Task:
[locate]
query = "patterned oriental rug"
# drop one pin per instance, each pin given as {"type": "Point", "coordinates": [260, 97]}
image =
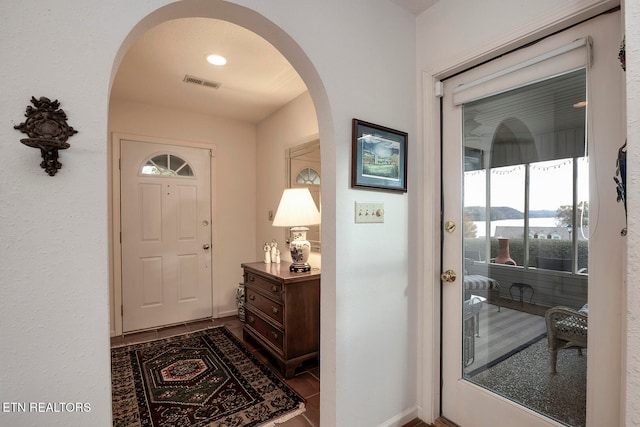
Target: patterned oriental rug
{"type": "Point", "coordinates": [205, 378]}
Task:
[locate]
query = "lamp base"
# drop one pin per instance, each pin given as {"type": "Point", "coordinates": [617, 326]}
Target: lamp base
{"type": "Point", "coordinates": [299, 268]}
{"type": "Point", "coordinates": [300, 250]}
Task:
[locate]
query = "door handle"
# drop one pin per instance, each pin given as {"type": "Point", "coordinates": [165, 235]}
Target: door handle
{"type": "Point", "coordinates": [448, 276]}
{"type": "Point", "coordinates": [206, 246]}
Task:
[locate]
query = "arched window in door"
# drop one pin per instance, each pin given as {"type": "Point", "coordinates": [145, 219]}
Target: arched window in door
{"type": "Point", "coordinates": [308, 176]}
{"type": "Point", "coordinates": [166, 164]}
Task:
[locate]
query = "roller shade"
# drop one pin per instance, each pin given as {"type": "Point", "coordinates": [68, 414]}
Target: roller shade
{"type": "Point", "coordinates": [572, 56]}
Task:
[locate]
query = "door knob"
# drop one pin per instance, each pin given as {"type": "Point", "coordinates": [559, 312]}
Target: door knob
{"type": "Point", "coordinates": [205, 246]}
{"type": "Point", "coordinates": [448, 276]}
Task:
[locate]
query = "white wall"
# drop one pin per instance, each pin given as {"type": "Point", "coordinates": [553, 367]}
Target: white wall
{"type": "Point", "coordinates": [294, 124]}
{"type": "Point", "coordinates": [468, 33]}
{"type": "Point", "coordinates": [632, 18]}
{"type": "Point", "coordinates": [54, 294]}
{"type": "Point", "coordinates": [235, 182]}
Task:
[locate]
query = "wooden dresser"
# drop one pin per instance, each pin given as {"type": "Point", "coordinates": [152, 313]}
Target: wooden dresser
{"type": "Point", "coordinates": [282, 312]}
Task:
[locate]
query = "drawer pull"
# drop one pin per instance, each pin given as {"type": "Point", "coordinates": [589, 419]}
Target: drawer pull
{"type": "Point", "coordinates": [252, 279]}
{"type": "Point", "coordinates": [274, 335]}
{"type": "Point", "coordinates": [251, 319]}
{"type": "Point", "coordinates": [252, 297]}
{"type": "Point", "coordinates": [274, 288]}
{"type": "Point", "coordinates": [274, 310]}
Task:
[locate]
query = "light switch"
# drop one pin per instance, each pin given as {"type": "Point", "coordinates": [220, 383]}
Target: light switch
{"type": "Point", "coordinates": [369, 212]}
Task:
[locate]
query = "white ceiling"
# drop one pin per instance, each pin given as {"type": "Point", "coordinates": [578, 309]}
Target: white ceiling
{"type": "Point", "coordinates": [256, 81]}
{"type": "Point", "coordinates": [415, 6]}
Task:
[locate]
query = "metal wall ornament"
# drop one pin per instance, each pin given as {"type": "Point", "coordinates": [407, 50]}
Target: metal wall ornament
{"type": "Point", "coordinates": [47, 128]}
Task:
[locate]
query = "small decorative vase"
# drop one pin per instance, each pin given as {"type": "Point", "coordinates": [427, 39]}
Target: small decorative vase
{"type": "Point", "coordinates": [503, 253]}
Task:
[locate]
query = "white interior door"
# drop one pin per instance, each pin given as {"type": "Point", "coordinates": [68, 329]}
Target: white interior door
{"type": "Point", "coordinates": [166, 234]}
{"type": "Point", "coordinates": [535, 131]}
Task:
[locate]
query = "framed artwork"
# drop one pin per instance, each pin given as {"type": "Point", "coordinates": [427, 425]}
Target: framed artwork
{"type": "Point", "coordinates": [378, 157]}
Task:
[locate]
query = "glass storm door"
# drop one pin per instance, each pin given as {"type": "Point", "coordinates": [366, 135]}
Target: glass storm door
{"type": "Point", "coordinates": [524, 207]}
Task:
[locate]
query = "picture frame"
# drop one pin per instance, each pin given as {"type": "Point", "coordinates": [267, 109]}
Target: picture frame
{"type": "Point", "coordinates": [378, 157]}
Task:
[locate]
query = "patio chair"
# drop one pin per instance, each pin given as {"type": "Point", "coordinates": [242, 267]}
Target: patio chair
{"type": "Point", "coordinates": [566, 328]}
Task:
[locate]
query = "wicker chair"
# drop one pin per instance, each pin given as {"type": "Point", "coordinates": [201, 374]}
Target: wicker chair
{"type": "Point", "coordinates": [566, 328]}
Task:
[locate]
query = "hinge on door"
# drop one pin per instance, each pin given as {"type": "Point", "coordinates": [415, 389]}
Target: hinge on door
{"type": "Point", "coordinates": [121, 237]}
{"type": "Point", "coordinates": [119, 164]}
{"type": "Point", "coordinates": [122, 310]}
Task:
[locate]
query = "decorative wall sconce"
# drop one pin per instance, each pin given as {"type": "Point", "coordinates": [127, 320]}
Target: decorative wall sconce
{"type": "Point", "coordinates": [48, 130]}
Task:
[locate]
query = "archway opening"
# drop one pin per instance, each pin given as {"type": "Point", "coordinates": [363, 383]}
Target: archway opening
{"type": "Point", "coordinates": [256, 23]}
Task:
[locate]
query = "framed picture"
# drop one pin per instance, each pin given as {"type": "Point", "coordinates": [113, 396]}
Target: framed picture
{"type": "Point", "coordinates": [378, 157]}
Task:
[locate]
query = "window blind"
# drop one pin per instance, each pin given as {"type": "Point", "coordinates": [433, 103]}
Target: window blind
{"type": "Point", "coordinates": [572, 56]}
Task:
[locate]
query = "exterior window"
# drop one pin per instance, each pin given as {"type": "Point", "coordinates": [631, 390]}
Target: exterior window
{"type": "Point", "coordinates": [167, 165]}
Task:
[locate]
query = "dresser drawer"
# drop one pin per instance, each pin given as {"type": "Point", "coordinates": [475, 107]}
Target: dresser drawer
{"type": "Point", "coordinates": [268, 332]}
{"type": "Point", "coordinates": [265, 305]}
{"type": "Point", "coordinates": [272, 288]}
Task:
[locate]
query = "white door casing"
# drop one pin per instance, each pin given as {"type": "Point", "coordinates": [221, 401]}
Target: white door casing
{"type": "Point", "coordinates": [465, 403]}
{"type": "Point", "coordinates": [166, 237]}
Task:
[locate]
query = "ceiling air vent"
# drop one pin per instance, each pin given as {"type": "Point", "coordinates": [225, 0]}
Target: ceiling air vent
{"type": "Point", "coordinates": [201, 82]}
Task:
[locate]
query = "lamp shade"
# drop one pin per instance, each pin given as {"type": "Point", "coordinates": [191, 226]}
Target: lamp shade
{"type": "Point", "coordinates": [296, 208]}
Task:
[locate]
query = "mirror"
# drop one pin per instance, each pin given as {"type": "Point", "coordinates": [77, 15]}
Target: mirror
{"type": "Point", "coordinates": [303, 170]}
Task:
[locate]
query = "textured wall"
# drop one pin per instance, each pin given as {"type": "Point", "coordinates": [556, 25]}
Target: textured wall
{"type": "Point", "coordinates": [632, 32]}
{"type": "Point", "coordinates": [55, 276]}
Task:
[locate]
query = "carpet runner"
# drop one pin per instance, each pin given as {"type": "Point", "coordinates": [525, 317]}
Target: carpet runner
{"type": "Point", "coordinates": [205, 378]}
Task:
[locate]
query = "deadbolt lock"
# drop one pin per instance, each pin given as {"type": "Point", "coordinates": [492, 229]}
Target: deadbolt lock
{"type": "Point", "coordinates": [450, 226]}
{"type": "Point", "coordinates": [448, 276]}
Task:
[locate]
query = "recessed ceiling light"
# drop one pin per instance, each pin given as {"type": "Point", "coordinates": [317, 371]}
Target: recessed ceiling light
{"type": "Point", "coordinates": [216, 59]}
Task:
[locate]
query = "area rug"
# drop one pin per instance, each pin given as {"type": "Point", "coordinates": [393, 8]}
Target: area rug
{"type": "Point", "coordinates": [205, 378]}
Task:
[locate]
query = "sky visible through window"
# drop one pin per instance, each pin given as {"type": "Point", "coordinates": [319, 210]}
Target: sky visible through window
{"type": "Point", "coordinates": [507, 185]}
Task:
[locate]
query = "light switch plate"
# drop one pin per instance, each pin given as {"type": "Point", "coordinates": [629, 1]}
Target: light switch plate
{"type": "Point", "coordinates": [369, 212]}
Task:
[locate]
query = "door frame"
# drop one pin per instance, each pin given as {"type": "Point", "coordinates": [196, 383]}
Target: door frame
{"type": "Point", "coordinates": [556, 20]}
{"type": "Point", "coordinates": [115, 267]}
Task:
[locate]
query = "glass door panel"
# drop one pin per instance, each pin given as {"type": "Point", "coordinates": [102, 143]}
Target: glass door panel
{"type": "Point", "coordinates": [525, 249]}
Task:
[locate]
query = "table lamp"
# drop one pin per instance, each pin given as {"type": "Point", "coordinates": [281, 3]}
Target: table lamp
{"type": "Point", "coordinates": [297, 210]}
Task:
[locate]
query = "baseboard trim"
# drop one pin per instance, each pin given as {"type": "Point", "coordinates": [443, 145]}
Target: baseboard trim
{"type": "Point", "coordinates": [227, 313]}
{"type": "Point", "coordinates": [402, 418]}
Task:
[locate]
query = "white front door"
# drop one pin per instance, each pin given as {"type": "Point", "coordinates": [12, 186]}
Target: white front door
{"type": "Point", "coordinates": [530, 135]}
{"type": "Point", "coordinates": [166, 234]}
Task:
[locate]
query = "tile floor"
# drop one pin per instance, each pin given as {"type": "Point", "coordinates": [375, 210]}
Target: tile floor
{"type": "Point", "coordinates": [306, 382]}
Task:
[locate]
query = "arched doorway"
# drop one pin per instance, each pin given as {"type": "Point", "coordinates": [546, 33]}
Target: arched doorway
{"type": "Point", "coordinates": [286, 45]}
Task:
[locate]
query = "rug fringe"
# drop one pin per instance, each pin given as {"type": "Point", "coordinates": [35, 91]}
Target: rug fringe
{"type": "Point", "coordinates": [286, 417]}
